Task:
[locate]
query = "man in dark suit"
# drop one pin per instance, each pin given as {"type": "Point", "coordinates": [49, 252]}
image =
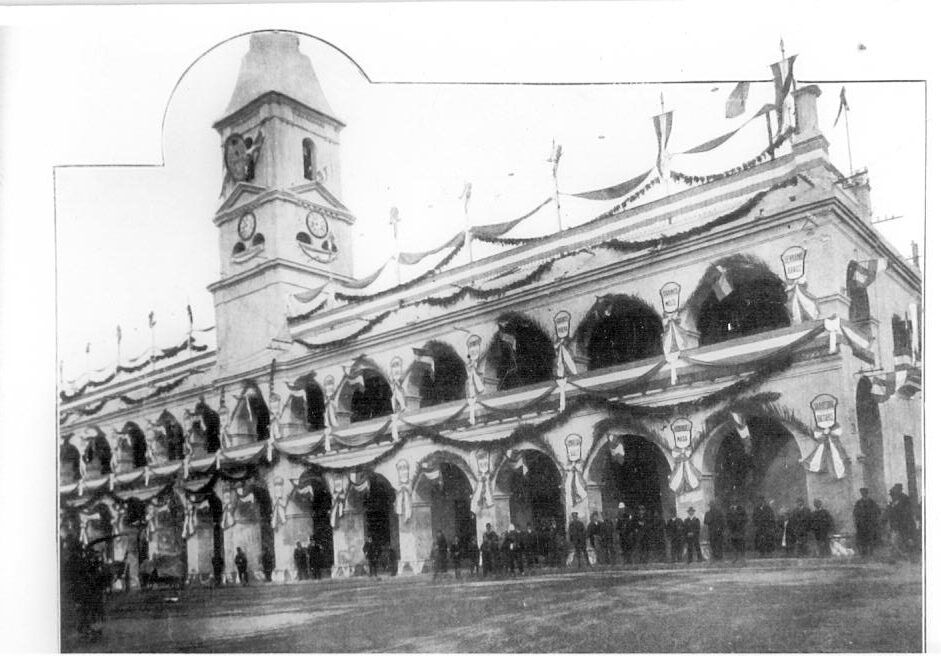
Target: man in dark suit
{"type": "Point", "coordinates": [624, 528]}
{"type": "Point", "coordinates": [715, 521]}
{"type": "Point", "coordinates": [800, 521]}
{"type": "Point", "coordinates": [300, 561]}
{"type": "Point", "coordinates": [691, 528]}
{"type": "Point", "coordinates": [866, 516]}
{"type": "Point", "coordinates": [765, 528]}
{"type": "Point", "coordinates": [578, 539]}
{"type": "Point", "coordinates": [675, 534]}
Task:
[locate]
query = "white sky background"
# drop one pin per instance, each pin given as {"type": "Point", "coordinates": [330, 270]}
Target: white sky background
{"type": "Point", "coordinates": [135, 240]}
{"type": "Point", "coordinates": [90, 86]}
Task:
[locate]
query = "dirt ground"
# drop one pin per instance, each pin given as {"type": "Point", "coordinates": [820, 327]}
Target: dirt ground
{"type": "Point", "coordinates": [765, 606]}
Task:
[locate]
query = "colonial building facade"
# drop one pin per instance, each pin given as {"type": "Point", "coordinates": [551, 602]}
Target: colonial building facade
{"type": "Point", "coordinates": [747, 334]}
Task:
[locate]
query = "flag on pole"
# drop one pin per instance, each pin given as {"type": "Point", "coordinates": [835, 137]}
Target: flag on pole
{"type": "Point", "coordinates": [663, 126]}
{"type": "Point", "coordinates": [843, 105]}
{"type": "Point", "coordinates": [554, 156]}
{"type": "Point", "coordinates": [783, 72]}
{"type": "Point", "coordinates": [151, 322]}
{"type": "Point", "coordinates": [189, 314]}
{"type": "Point", "coordinates": [87, 348]}
{"type": "Point", "coordinates": [118, 333]}
{"type": "Point", "coordinates": [722, 286]}
{"type": "Point", "coordinates": [735, 105]}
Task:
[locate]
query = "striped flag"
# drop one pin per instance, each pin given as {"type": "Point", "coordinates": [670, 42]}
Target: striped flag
{"type": "Point", "coordinates": [783, 72]}
{"type": "Point", "coordinates": [843, 105]}
{"type": "Point", "coordinates": [189, 314]}
{"type": "Point", "coordinates": [118, 333]}
{"type": "Point", "coordinates": [466, 195]}
{"type": "Point", "coordinates": [722, 286]}
{"type": "Point", "coordinates": [735, 105]}
{"type": "Point", "coordinates": [508, 339]}
{"type": "Point", "coordinates": [663, 126]}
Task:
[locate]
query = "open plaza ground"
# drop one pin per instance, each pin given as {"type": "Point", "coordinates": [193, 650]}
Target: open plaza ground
{"type": "Point", "coordinates": [764, 606]}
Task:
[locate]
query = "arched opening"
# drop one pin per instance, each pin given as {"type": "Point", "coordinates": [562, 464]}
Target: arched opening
{"type": "Point", "coordinates": [856, 288]}
{"type": "Point", "coordinates": [869, 422]}
{"type": "Point", "coordinates": [380, 523]}
{"type": "Point", "coordinates": [520, 352]}
{"type": "Point", "coordinates": [901, 337]}
{"type": "Point", "coordinates": [619, 329]}
{"type": "Point", "coordinates": [304, 238]}
{"type": "Point", "coordinates": [373, 399]}
{"type": "Point", "coordinates": [138, 442]}
{"type": "Point", "coordinates": [98, 527]}
{"type": "Point", "coordinates": [449, 495]}
{"type": "Point", "coordinates": [251, 420]}
{"type": "Point", "coordinates": [446, 382]}
{"type": "Point", "coordinates": [315, 495]}
{"type": "Point", "coordinates": [174, 435]}
{"type": "Point", "coordinates": [642, 478]}
{"type": "Point", "coordinates": [770, 468]}
{"type": "Point", "coordinates": [535, 489]}
{"type": "Point", "coordinates": [739, 296]}
{"type": "Point", "coordinates": [97, 456]}
{"type": "Point", "coordinates": [310, 159]}
{"type": "Point", "coordinates": [258, 240]}
{"type": "Point", "coordinates": [238, 248]}
{"type": "Point", "coordinates": [69, 458]}
{"type": "Point", "coordinates": [210, 426]}
{"type": "Point", "coordinates": [315, 406]}
{"type": "Point", "coordinates": [167, 548]}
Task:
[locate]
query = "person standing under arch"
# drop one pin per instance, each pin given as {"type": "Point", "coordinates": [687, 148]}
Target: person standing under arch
{"type": "Point", "coordinates": [715, 520]}
{"type": "Point", "coordinates": [765, 527]}
{"type": "Point", "coordinates": [691, 528]}
{"type": "Point", "coordinates": [821, 524]}
{"type": "Point", "coordinates": [578, 539]}
{"type": "Point", "coordinates": [866, 517]}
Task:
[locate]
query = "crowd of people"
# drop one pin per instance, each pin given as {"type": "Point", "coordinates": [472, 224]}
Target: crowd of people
{"type": "Point", "coordinates": [85, 578]}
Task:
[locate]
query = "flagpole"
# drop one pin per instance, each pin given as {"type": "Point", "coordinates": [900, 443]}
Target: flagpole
{"type": "Point", "coordinates": [846, 122]}
{"type": "Point", "coordinates": [467, 227]}
{"type": "Point", "coordinates": [554, 157]}
{"type": "Point", "coordinates": [394, 222]}
{"type": "Point", "coordinates": [119, 348]}
{"type": "Point", "coordinates": [153, 341]}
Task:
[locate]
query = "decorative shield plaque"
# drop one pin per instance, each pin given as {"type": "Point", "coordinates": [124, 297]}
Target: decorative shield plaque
{"type": "Point", "coordinates": [670, 297]}
{"type": "Point", "coordinates": [473, 347]}
{"type": "Point", "coordinates": [401, 467]}
{"type": "Point", "coordinates": [793, 261]}
{"type": "Point", "coordinates": [573, 447]}
{"type": "Point", "coordinates": [682, 432]}
{"type": "Point", "coordinates": [563, 324]}
{"type": "Point", "coordinates": [824, 409]}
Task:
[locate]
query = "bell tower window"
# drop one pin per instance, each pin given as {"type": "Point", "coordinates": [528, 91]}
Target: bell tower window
{"type": "Point", "coordinates": [310, 159]}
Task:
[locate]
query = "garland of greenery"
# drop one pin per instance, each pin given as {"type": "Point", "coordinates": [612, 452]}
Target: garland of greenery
{"type": "Point", "coordinates": [486, 294]}
{"type": "Point", "coordinates": [753, 162]}
{"type": "Point", "coordinates": [741, 211]}
{"type": "Point", "coordinates": [298, 318]}
{"type": "Point", "coordinates": [372, 323]}
{"type": "Point", "coordinates": [158, 391]}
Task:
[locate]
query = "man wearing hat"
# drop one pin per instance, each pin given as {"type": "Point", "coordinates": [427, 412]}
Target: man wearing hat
{"type": "Point", "coordinates": [901, 520]}
{"type": "Point", "coordinates": [578, 539]}
{"type": "Point", "coordinates": [691, 528]}
{"type": "Point", "coordinates": [866, 516]}
{"type": "Point", "coordinates": [675, 534]}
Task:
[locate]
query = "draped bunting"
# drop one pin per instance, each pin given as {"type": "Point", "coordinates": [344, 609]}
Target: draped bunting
{"type": "Point", "coordinates": [279, 509]}
{"type": "Point", "coordinates": [672, 333]}
{"type": "Point", "coordinates": [475, 386]}
{"type": "Point", "coordinates": [564, 365]}
{"type": "Point", "coordinates": [684, 477]}
{"type": "Point", "coordinates": [189, 519]}
{"type": "Point", "coordinates": [500, 229]}
{"type": "Point", "coordinates": [188, 344]}
{"type": "Point", "coordinates": [614, 191]}
{"type": "Point", "coordinates": [486, 294]}
{"type": "Point", "coordinates": [415, 258]}
{"type": "Point", "coordinates": [370, 324]}
{"type": "Point", "coordinates": [712, 144]}
{"type": "Point", "coordinates": [304, 316]}
{"type": "Point", "coordinates": [159, 390]}
{"type": "Point", "coordinates": [482, 496]}
{"type": "Point", "coordinates": [827, 444]}
{"type": "Point", "coordinates": [765, 154]}
{"type": "Point", "coordinates": [341, 489]}
{"type": "Point", "coordinates": [403, 496]}
{"type": "Point", "coordinates": [576, 489]}
{"type": "Point", "coordinates": [741, 427]}
{"type": "Point", "coordinates": [800, 303]}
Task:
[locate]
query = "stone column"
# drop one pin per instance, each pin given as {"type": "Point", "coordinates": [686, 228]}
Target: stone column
{"type": "Point", "coordinates": [415, 539]}
{"type": "Point", "coordinates": [348, 540]}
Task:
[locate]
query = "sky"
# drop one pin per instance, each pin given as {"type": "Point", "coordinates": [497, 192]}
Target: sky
{"type": "Point", "coordinates": [85, 249]}
{"type": "Point", "coordinates": [131, 240]}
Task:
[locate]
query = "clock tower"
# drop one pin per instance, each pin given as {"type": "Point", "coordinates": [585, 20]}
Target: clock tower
{"type": "Point", "coordinates": [282, 226]}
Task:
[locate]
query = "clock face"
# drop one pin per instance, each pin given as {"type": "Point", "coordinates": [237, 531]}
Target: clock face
{"type": "Point", "coordinates": [246, 226]}
{"type": "Point", "coordinates": [236, 157]}
{"type": "Point", "coordinates": [317, 225]}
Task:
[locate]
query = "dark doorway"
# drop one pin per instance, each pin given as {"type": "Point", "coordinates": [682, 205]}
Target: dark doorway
{"type": "Point", "coordinates": [642, 479]}
{"type": "Point", "coordinates": [747, 300]}
{"type": "Point", "coordinates": [771, 468]}
{"type": "Point", "coordinates": [373, 400]}
{"type": "Point", "coordinates": [450, 503]}
{"type": "Point", "coordinates": [536, 496]}
{"type": "Point", "coordinates": [315, 406]}
{"type": "Point", "coordinates": [380, 520]}
{"type": "Point", "coordinates": [621, 329]}
{"type": "Point", "coordinates": [521, 353]}
{"type": "Point", "coordinates": [447, 382]}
